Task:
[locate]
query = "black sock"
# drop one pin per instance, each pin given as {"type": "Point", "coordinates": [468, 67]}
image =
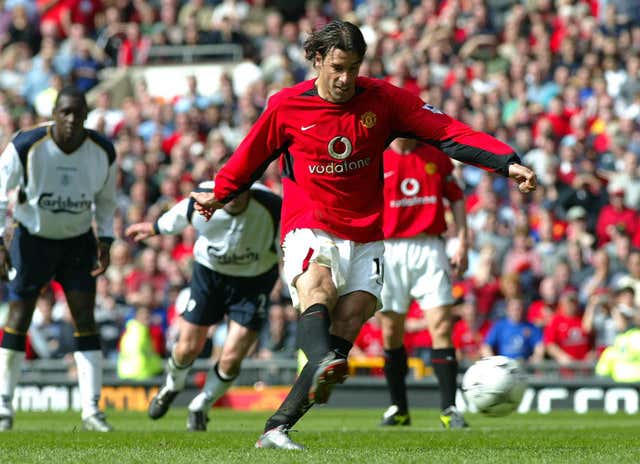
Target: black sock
{"type": "Point", "coordinates": [341, 346]}
{"type": "Point", "coordinates": [313, 332]}
{"type": "Point", "coordinates": [395, 370]}
{"type": "Point", "coordinates": [13, 340]}
{"type": "Point", "coordinates": [296, 404]}
{"type": "Point", "coordinates": [445, 366]}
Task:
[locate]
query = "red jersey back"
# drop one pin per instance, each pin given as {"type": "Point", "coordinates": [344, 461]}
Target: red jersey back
{"type": "Point", "coordinates": [331, 154]}
{"type": "Point", "coordinates": [415, 185]}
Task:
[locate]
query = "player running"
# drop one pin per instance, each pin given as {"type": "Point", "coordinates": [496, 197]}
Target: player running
{"type": "Point", "coordinates": [235, 268]}
{"type": "Point", "coordinates": [329, 134]}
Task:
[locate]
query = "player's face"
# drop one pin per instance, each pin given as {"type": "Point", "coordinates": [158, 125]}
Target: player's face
{"type": "Point", "coordinates": [69, 116]}
{"type": "Point", "coordinates": [337, 74]}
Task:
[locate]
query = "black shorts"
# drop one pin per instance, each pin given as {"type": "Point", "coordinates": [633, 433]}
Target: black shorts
{"type": "Point", "coordinates": [244, 299]}
{"type": "Point", "coordinates": [38, 260]}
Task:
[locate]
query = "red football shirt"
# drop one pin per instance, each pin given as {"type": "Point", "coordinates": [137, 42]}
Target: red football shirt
{"type": "Point", "coordinates": [568, 334]}
{"type": "Point", "coordinates": [331, 154]}
{"type": "Point", "coordinates": [415, 185]}
{"type": "Point", "coordinates": [469, 341]}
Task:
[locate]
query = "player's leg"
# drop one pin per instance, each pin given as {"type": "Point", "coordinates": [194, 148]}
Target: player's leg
{"type": "Point", "coordinates": [34, 262]}
{"type": "Point", "coordinates": [248, 300]}
{"type": "Point", "coordinates": [395, 367]}
{"type": "Point", "coordinates": [312, 269]}
{"type": "Point", "coordinates": [239, 341]}
{"type": "Point", "coordinates": [399, 260]}
{"type": "Point", "coordinates": [200, 313]}
{"type": "Point", "coordinates": [348, 316]}
{"type": "Point", "coordinates": [12, 351]}
{"type": "Point", "coordinates": [191, 341]}
{"type": "Point", "coordinates": [433, 293]}
{"type": "Point", "coordinates": [73, 271]}
{"type": "Point", "coordinates": [445, 365]}
{"type": "Point", "coordinates": [88, 357]}
{"type": "Point", "coordinates": [361, 282]}
{"type": "Point", "coordinates": [316, 293]}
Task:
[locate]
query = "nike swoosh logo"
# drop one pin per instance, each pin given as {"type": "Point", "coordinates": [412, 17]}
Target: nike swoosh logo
{"type": "Point", "coordinates": [304, 128]}
{"type": "Point", "coordinates": [388, 174]}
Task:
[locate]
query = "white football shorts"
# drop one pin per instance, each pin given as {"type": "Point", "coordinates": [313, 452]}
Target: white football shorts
{"type": "Point", "coordinates": [354, 266]}
{"type": "Point", "coordinates": [416, 268]}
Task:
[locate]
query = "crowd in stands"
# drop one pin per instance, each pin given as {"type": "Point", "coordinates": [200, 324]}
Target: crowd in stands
{"type": "Point", "coordinates": [555, 274]}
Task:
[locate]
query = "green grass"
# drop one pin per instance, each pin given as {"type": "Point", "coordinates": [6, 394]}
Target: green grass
{"type": "Point", "coordinates": [331, 435]}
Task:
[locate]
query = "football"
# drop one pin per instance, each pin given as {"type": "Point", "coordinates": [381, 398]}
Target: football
{"type": "Point", "coordinates": [494, 385]}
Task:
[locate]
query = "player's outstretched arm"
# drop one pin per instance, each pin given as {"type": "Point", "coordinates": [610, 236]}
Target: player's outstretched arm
{"type": "Point", "coordinates": [524, 177]}
{"type": "Point", "coordinates": [206, 203]}
{"type": "Point", "coordinates": [140, 231]}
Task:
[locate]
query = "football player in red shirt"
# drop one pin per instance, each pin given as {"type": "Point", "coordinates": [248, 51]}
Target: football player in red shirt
{"type": "Point", "coordinates": [329, 134]}
{"type": "Point", "coordinates": [417, 180]}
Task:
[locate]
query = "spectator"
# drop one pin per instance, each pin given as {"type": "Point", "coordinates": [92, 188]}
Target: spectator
{"type": "Point", "coordinates": [603, 319]}
{"type": "Point", "coordinates": [110, 315]}
{"type": "Point", "coordinates": [138, 359]}
{"type": "Point", "coordinates": [542, 310]}
{"type": "Point", "coordinates": [615, 214]}
{"type": "Point", "coordinates": [600, 275]}
{"type": "Point", "coordinates": [134, 49]}
{"type": "Point", "coordinates": [564, 338]}
{"type": "Point", "coordinates": [51, 336]}
{"type": "Point", "coordinates": [632, 277]}
{"type": "Point", "coordinates": [620, 361]}
{"type": "Point", "coordinates": [514, 337]}
{"type": "Point", "coordinates": [469, 331]}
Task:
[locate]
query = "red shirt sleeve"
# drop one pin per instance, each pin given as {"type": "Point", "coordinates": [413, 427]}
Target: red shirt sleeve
{"type": "Point", "coordinates": [260, 147]}
{"type": "Point", "coordinates": [412, 117]}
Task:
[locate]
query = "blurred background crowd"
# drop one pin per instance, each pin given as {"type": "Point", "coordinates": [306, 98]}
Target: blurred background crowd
{"type": "Point", "coordinates": [557, 271]}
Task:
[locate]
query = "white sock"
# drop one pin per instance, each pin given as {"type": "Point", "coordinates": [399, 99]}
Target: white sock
{"type": "Point", "coordinates": [89, 365]}
{"type": "Point", "coordinates": [176, 375]}
{"type": "Point", "coordinates": [10, 364]}
{"type": "Point", "coordinates": [216, 385]}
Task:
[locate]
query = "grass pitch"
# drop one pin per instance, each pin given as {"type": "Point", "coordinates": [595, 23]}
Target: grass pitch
{"type": "Point", "coordinates": [331, 436]}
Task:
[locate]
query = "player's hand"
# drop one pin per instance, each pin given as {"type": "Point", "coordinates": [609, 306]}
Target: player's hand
{"type": "Point", "coordinates": [524, 177]}
{"type": "Point", "coordinates": [104, 259]}
{"type": "Point", "coordinates": [140, 231]}
{"type": "Point", "coordinates": [460, 261]}
{"type": "Point", "coordinates": [5, 264]}
{"type": "Point", "coordinates": [206, 203]}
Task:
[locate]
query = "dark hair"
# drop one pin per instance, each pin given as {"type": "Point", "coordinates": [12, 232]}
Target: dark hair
{"type": "Point", "coordinates": [342, 35]}
{"type": "Point", "coordinates": [72, 92]}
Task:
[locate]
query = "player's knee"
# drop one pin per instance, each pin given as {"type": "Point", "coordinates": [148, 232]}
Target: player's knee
{"type": "Point", "coordinates": [188, 349]}
{"type": "Point", "coordinates": [230, 363]}
{"type": "Point", "coordinates": [326, 295]}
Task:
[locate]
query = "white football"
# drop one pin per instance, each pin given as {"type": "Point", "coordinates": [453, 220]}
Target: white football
{"type": "Point", "coordinates": [495, 385]}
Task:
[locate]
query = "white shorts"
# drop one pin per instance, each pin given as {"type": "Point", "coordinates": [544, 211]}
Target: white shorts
{"type": "Point", "coordinates": [418, 269]}
{"type": "Point", "coordinates": [354, 266]}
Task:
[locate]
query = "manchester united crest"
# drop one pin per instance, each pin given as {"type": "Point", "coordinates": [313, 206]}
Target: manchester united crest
{"type": "Point", "coordinates": [368, 119]}
{"type": "Point", "coordinates": [431, 168]}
